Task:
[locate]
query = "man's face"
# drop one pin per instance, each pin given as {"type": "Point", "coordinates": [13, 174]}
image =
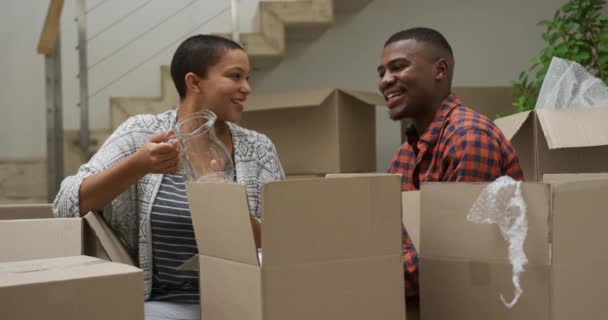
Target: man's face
{"type": "Point", "coordinates": [407, 78]}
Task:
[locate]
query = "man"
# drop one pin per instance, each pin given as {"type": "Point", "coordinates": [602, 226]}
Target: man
{"type": "Point", "coordinates": [447, 141]}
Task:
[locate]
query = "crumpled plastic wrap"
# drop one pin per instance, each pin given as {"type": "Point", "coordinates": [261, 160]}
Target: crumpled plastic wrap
{"type": "Point", "coordinates": [502, 203]}
{"type": "Point", "coordinates": [568, 85]}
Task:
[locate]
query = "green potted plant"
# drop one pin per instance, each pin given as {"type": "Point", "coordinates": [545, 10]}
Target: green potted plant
{"type": "Point", "coordinates": [578, 32]}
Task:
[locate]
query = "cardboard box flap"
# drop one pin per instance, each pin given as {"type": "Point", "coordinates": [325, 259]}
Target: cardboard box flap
{"type": "Point", "coordinates": [58, 269]}
{"type": "Point", "coordinates": [190, 264]}
{"type": "Point", "coordinates": [114, 248]}
{"type": "Point", "coordinates": [220, 217]}
{"type": "Point", "coordinates": [374, 99]}
{"type": "Point", "coordinates": [40, 238]}
{"type": "Point", "coordinates": [445, 208]}
{"type": "Point", "coordinates": [261, 102]}
{"type": "Point", "coordinates": [510, 125]}
{"type": "Point", "coordinates": [571, 128]}
{"type": "Point", "coordinates": [590, 185]}
{"type": "Point", "coordinates": [558, 178]}
{"type": "Point", "coordinates": [320, 220]}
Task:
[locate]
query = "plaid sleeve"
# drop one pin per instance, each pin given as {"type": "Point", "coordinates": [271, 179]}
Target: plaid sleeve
{"type": "Point", "coordinates": [473, 156]}
{"type": "Point", "coordinates": [410, 267]}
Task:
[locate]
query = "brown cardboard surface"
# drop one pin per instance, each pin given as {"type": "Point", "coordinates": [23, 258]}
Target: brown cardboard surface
{"type": "Point", "coordinates": [26, 211]}
{"type": "Point", "coordinates": [579, 238]}
{"type": "Point", "coordinates": [305, 176]}
{"type": "Point", "coordinates": [573, 128]}
{"type": "Point", "coordinates": [26, 239]}
{"type": "Point", "coordinates": [316, 132]}
{"type": "Point", "coordinates": [220, 217]}
{"type": "Point", "coordinates": [411, 216]}
{"type": "Point", "coordinates": [512, 124]}
{"type": "Point", "coordinates": [469, 289]}
{"type": "Point", "coordinates": [464, 266]}
{"type": "Point", "coordinates": [444, 210]}
{"type": "Point", "coordinates": [109, 242]}
{"type": "Point", "coordinates": [331, 250]}
{"type": "Point", "coordinates": [70, 288]}
{"type": "Point", "coordinates": [487, 100]}
{"type": "Point", "coordinates": [327, 290]}
{"type": "Point", "coordinates": [557, 178]}
{"type": "Point", "coordinates": [261, 102]}
{"type": "Point", "coordinates": [306, 146]}
{"type": "Point", "coordinates": [230, 290]}
{"type": "Point", "coordinates": [355, 130]}
{"type": "Point", "coordinates": [305, 216]}
{"type": "Point", "coordinates": [558, 141]}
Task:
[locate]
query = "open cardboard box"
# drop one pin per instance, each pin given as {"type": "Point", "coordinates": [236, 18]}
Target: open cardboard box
{"type": "Point", "coordinates": [319, 131]}
{"type": "Point", "coordinates": [464, 266]}
{"type": "Point", "coordinates": [331, 250]}
{"type": "Point", "coordinates": [558, 141]}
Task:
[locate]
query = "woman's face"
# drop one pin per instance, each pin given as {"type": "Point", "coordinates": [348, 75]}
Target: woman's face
{"type": "Point", "coordinates": [226, 86]}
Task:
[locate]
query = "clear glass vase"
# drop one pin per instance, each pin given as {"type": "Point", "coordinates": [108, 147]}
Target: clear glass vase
{"type": "Point", "coordinates": [203, 156]}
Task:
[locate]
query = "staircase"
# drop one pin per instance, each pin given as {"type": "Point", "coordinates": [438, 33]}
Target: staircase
{"type": "Point", "coordinates": [280, 21]}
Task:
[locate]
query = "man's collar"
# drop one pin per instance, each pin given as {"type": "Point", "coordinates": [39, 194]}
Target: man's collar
{"type": "Point", "coordinates": [431, 134]}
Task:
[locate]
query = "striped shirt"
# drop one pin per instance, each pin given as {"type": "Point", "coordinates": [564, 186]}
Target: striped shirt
{"type": "Point", "coordinates": [173, 243]}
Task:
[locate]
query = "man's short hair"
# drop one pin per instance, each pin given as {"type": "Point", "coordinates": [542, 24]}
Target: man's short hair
{"type": "Point", "coordinates": [426, 35]}
{"type": "Point", "coordinates": [196, 54]}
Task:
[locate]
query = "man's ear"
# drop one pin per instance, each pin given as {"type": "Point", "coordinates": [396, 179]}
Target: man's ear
{"type": "Point", "coordinates": [442, 69]}
{"type": "Point", "coordinates": [192, 82]}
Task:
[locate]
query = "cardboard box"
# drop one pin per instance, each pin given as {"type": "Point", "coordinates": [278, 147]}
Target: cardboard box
{"type": "Point", "coordinates": [316, 132]}
{"type": "Point", "coordinates": [558, 141]}
{"type": "Point", "coordinates": [464, 266]}
{"type": "Point", "coordinates": [26, 211]}
{"type": "Point", "coordinates": [70, 288]}
{"type": "Point", "coordinates": [411, 216]}
{"type": "Point", "coordinates": [26, 239]}
{"type": "Point", "coordinates": [331, 250]}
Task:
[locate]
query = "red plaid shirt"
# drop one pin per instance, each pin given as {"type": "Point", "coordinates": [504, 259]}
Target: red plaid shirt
{"type": "Point", "coordinates": [459, 145]}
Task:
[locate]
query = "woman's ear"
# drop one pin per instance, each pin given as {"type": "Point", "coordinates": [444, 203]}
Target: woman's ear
{"type": "Point", "coordinates": [442, 69]}
{"type": "Point", "coordinates": [192, 82]}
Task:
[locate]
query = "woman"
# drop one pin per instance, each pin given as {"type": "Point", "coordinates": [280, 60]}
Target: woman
{"type": "Point", "coordinates": [134, 177]}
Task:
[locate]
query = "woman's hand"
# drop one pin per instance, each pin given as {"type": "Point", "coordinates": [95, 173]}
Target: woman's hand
{"type": "Point", "coordinates": [158, 155]}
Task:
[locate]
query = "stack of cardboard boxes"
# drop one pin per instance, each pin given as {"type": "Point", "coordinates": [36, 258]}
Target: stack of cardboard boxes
{"type": "Point", "coordinates": [45, 274]}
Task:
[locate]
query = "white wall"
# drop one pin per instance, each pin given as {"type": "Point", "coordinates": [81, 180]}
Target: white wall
{"type": "Point", "coordinates": [493, 41]}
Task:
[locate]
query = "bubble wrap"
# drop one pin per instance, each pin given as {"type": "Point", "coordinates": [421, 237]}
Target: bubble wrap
{"type": "Point", "coordinates": [502, 203]}
{"type": "Point", "coordinates": [568, 85]}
